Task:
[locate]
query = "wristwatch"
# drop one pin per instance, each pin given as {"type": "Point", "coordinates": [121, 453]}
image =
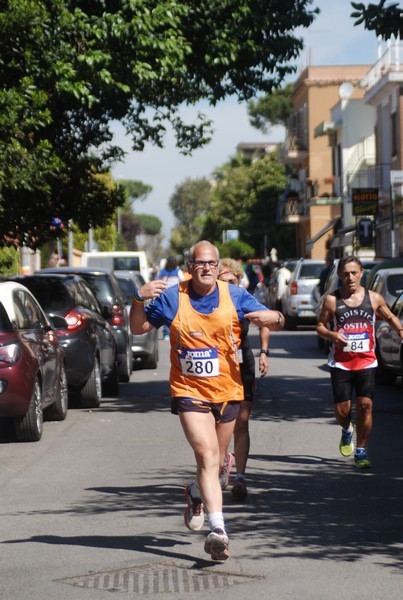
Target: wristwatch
{"type": "Point", "coordinates": [264, 352]}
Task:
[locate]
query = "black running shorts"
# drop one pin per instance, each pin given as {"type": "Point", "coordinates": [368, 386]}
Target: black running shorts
{"type": "Point", "coordinates": [345, 382]}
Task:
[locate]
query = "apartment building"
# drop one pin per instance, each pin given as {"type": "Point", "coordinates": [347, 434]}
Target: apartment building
{"type": "Point", "coordinates": [313, 198]}
{"type": "Point", "coordinates": [383, 90]}
{"type": "Point", "coordinates": [351, 136]}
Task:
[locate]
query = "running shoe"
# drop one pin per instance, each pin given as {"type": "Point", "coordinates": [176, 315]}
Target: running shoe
{"type": "Point", "coordinates": [216, 544]}
{"type": "Point", "coordinates": [361, 459]}
{"type": "Point", "coordinates": [346, 445]}
{"type": "Point", "coordinates": [226, 470]}
{"type": "Point", "coordinates": [194, 513]}
{"type": "Point", "coordinates": [239, 490]}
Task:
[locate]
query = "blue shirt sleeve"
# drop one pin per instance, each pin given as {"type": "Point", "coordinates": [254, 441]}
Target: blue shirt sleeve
{"type": "Point", "coordinates": [162, 310]}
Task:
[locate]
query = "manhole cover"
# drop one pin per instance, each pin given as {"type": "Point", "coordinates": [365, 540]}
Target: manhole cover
{"type": "Point", "coordinates": [156, 578]}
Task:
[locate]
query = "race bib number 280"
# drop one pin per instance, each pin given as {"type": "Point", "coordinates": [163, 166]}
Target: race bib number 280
{"type": "Point", "coordinates": [200, 362]}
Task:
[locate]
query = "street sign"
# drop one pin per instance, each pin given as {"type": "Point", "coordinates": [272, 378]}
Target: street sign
{"type": "Point", "coordinates": [365, 201]}
{"type": "Point", "coordinates": [230, 234]}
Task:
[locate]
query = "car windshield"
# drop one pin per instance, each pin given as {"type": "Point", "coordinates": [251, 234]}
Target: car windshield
{"type": "Point", "coordinates": [310, 271]}
{"type": "Point", "coordinates": [395, 284]}
{"type": "Point", "coordinates": [50, 293]}
{"type": "Point", "coordinates": [100, 286]}
{"type": "Point", "coordinates": [126, 263]}
{"type": "Point", "coordinates": [5, 324]}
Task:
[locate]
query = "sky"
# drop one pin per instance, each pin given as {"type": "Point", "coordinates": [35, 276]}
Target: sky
{"type": "Point", "coordinates": [332, 39]}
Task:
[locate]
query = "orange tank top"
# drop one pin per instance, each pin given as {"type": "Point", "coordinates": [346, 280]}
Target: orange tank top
{"type": "Point", "coordinates": [204, 350]}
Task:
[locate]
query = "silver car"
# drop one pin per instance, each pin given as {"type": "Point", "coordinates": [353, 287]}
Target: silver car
{"type": "Point", "coordinates": [299, 302]}
{"type": "Point", "coordinates": [389, 347]}
{"type": "Point", "coordinates": [144, 346]}
{"type": "Point", "coordinates": [388, 283]}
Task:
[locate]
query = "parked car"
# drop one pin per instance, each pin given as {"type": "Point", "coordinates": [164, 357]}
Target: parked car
{"type": "Point", "coordinates": [298, 302]}
{"type": "Point", "coordinates": [332, 283]}
{"type": "Point", "coordinates": [388, 283]}
{"type": "Point", "coordinates": [278, 282]}
{"type": "Point", "coordinates": [88, 340]}
{"type": "Point", "coordinates": [385, 263]}
{"type": "Point", "coordinates": [389, 347]}
{"type": "Point", "coordinates": [32, 373]}
{"type": "Point", "coordinates": [106, 290]}
{"type": "Point", "coordinates": [144, 346]}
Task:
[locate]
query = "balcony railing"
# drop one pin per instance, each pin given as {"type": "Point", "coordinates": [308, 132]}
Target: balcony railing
{"type": "Point", "coordinates": [292, 210]}
{"type": "Point", "coordinates": [390, 61]}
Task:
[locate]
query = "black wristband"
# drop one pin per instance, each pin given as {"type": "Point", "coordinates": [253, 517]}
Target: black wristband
{"type": "Point", "coordinates": [264, 352]}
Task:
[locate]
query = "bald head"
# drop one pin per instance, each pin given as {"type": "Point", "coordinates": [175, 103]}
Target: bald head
{"type": "Point", "coordinates": [203, 244]}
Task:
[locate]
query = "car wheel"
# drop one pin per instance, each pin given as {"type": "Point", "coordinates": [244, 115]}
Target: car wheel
{"type": "Point", "coordinates": [111, 385]}
{"type": "Point", "coordinates": [126, 366]}
{"type": "Point", "coordinates": [91, 394]}
{"type": "Point", "coordinates": [29, 427]}
{"type": "Point", "coordinates": [58, 410]}
{"type": "Point", "coordinates": [383, 376]}
{"type": "Point", "coordinates": [151, 362]}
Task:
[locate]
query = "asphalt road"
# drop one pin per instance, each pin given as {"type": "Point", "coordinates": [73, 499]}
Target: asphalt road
{"type": "Point", "coordinates": [97, 505]}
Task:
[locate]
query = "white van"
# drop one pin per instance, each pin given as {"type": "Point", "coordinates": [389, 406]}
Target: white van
{"type": "Point", "coordinates": [118, 261]}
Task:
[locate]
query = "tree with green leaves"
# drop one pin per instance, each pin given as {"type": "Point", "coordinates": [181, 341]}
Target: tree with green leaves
{"type": "Point", "coordinates": [69, 69]}
{"type": "Point", "coordinates": [384, 18]}
{"type": "Point", "coordinates": [189, 204]}
{"type": "Point", "coordinates": [135, 190]}
{"type": "Point", "coordinates": [131, 223]}
{"type": "Point", "coordinates": [9, 261]}
{"type": "Point", "coordinates": [245, 198]}
{"type": "Point", "coordinates": [271, 109]}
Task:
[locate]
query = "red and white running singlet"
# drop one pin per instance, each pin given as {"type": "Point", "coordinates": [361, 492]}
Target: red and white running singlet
{"type": "Point", "coordinates": [358, 325]}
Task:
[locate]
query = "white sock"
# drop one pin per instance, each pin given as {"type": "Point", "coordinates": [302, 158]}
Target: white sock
{"type": "Point", "coordinates": [350, 428]}
{"type": "Point", "coordinates": [240, 476]}
{"type": "Point", "coordinates": [215, 520]}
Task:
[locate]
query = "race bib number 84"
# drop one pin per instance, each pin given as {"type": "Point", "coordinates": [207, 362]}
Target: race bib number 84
{"type": "Point", "coordinates": [200, 362]}
{"type": "Point", "coordinates": [357, 342]}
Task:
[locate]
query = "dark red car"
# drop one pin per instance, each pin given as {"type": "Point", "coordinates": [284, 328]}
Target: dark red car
{"type": "Point", "coordinates": [32, 374]}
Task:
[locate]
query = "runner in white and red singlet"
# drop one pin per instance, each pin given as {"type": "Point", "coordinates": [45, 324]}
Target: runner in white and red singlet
{"type": "Point", "coordinates": [352, 310]}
